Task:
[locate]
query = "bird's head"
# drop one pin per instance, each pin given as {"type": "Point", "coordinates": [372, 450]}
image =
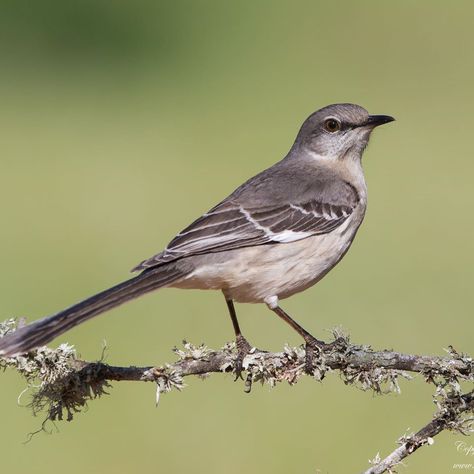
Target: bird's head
{"type": "Point", "coordinates": [339, 131]}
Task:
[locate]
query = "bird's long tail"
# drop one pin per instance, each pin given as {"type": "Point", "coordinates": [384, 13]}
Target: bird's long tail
{"type": "Point", "coordinates": [44, 330]}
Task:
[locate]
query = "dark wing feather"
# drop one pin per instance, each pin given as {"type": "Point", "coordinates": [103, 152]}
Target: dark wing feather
{"type": "Point", "coordinates": [230, 225]}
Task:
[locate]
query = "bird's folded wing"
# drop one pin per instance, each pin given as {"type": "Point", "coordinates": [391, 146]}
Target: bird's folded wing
{"type": "Point", "coordinates": [230, 226]}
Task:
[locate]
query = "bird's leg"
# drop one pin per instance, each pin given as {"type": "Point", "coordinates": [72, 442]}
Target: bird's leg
{"type": "Point", "coordinates": [243, 347]}
{"type": "Point", "coordinates": [312, 344]}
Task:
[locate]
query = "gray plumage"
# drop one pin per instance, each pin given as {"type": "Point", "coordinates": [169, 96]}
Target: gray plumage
{"type": "Point", "coordinates": [282, 198]}
{"type": "Point", "coordinates": [275, 235]}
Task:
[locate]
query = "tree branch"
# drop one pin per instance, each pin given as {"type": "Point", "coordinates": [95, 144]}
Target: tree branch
{"type": "Point", "coordinates": [352, 360]}
{"type": "Point", "coordinates": [448, 418]}
{"type": "Point", "coordinates": [68, 383]}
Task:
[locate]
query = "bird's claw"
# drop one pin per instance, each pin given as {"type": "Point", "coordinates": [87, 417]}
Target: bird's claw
{"type": "Point", "coordinates": [314, 345]}
{"type": "Point", "coordinates": [243, 348]}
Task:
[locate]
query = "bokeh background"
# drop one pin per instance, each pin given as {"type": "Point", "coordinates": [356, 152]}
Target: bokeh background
{"type": "Point", "coordinates": [122, 121]}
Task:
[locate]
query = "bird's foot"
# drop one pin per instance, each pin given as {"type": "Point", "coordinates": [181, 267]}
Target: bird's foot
{"type": "Point", "coordinates": [243, 349]}
{"type": "Point", "coordinates": [315, 346]}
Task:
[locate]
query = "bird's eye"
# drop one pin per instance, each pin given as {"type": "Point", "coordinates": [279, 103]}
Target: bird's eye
{"type": "Point", "coordinates": [332, 125]}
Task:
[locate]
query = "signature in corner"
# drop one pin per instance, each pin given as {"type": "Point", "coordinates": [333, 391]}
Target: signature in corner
{"type": "Point", "coordinates": [464, 448]}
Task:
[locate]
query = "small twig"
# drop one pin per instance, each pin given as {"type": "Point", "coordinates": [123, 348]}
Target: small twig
{"type": "Point", "coordinates": [447, 419]}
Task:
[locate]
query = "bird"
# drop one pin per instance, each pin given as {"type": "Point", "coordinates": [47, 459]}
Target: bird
{"type": "Point", "coordinates": [276, 235]}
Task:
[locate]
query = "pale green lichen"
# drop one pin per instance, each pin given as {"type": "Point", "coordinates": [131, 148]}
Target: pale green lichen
{"type": "Point", "coordinates": [377, 379]}
{"type": "Point", "coordinates": [448, 396]}
{"type": "Point", "coordinates": [190, 351]}
{"type": "Point", "coordinates": [56, 386]}
{"type": "Point", "coordinates": [451, 406]}
{"type": "Point", "coordinates": [61, 385]}
{"type": "Point", "coordinates": [166, 378]}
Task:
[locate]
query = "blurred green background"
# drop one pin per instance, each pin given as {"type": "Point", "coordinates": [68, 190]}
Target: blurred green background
{"type": "Point", "coordinates": [122, 121]}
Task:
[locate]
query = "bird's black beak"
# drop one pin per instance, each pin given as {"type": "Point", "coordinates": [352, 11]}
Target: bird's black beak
{"type": "Point", "coordinates": [376, 120]}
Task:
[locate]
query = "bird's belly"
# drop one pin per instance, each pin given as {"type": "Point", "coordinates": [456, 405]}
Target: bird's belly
{"type": "Point", "coordinates": [249, 275]}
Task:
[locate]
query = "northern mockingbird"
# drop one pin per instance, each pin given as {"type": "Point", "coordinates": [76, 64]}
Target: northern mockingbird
{"type": "Point", "coordinates": [275, 235]}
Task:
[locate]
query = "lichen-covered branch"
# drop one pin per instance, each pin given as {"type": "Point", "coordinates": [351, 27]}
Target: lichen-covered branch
{"type": "Point", "coordinates": [67, 383]}
{"type": "Point", "coordinates": [450, 416]}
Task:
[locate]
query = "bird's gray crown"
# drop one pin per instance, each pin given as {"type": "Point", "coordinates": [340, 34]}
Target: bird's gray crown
{"type": "Point", "coordinates": [338, 131]}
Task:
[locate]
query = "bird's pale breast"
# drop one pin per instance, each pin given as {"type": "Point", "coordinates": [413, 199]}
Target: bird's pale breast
{"type": "Point", "coordinates": [249, 275]}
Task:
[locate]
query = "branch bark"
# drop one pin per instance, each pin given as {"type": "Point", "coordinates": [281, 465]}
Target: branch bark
{"type": "Point", "coordinates": [351, 359]}
{"type": "Point", "coordinates": [68, 383]}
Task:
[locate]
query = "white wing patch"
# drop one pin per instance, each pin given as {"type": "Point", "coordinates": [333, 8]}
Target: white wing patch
{"type": "Point", "coordinates": [232, 226]}
{"type": "Point", "coordinates": [282, 237]}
